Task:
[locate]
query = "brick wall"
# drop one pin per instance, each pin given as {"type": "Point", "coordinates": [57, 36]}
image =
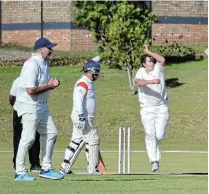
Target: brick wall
{"type": "Point", "coordinates": [25, 38]}
{"type": "Point", "coordinates": [181, 33]}
{"type": "Point", "coordinates": [180, 8]}
{"type": "Point", "coordinates": [56, 11]}
{"type": "Point", "coordinates": [187, 34]}
{"type": "Point", "coordinates": [21, 12]}
{"type": "Point", "coordinates": [82, 40]}
{"type": "Point", "coordinates": [53, 12]}
{"type": "Point", "coordinates": [71, 39]}
{"type": "Point", "coordinates": [61, 37]}
{"type": "Point", "coordinates": [68, 38]}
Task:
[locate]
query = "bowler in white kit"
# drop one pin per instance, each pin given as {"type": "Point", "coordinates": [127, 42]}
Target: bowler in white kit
{"type": "Point", "coordinates": [150, 79]}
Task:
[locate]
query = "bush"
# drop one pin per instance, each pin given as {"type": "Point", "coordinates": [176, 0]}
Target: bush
{"type": "Point", "coordinates": [67, 61]}
{"type": "Point", "coordinates": [7, 63]}
{"type": "Point", "coordinates": [177, 52]}
{"type": "Point", "coordinates": [52, 62]}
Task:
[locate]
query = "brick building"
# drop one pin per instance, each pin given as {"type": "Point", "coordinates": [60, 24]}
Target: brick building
{"type": "Point", "coordinates": [24, 21]}
{"type": "Point", "coordinates": [185, 22]}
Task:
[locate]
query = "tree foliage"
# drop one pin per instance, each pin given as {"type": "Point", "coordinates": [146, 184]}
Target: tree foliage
{"type": "Point", "coordinates": [119, 28]}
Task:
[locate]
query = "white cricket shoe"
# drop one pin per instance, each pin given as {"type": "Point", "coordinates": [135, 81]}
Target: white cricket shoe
{"type": "Point", "coordinates": [155, 166]}
{"type": "Point", "coordinates": [95, 172]}
{"type": "Point", "coordinates": [63, 169]}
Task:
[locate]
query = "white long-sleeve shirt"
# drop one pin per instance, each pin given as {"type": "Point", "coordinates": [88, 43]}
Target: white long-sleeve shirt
{"type": "Point", "coordinates": [84, 99]}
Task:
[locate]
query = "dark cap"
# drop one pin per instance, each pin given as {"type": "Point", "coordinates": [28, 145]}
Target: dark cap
{"type": "Point", "coordinates": [43, 42]}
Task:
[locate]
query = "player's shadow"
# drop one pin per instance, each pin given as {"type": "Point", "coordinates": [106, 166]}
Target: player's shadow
{"type": "Point", "coordinates": [173, 83]}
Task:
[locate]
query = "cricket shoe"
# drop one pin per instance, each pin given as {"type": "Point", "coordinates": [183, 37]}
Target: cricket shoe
{"type": "Point", "coordinates": [155, 166]}
{"type": "Point", "coordinates": [35, 168]}
{"type": "Point", "coordinates": [51, 174]}
{"type": "Point", "coordinates": [24, 177]}
{"type": "Point", "coordinates": [63, 171]}
{"type": "Point", "coordinates": [95, 172]}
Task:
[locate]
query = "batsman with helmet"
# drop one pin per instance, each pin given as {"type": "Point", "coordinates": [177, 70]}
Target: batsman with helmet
{"type": "Point", "coordinates": [84, 108]}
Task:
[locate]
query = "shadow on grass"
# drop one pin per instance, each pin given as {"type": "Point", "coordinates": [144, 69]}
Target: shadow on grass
{"type": "Point", "coordinates": [192, 173]}
{"type": "Point", "coordinates": [168, 174]}
{"type": "Point", "coordinates": [173, 60]}
{"type": "Point", "coordinates": [113, 179]}
{"type": "Point", "coordinates": [173, 83]}
{"type": "Point", "coordinates": [118, 178]}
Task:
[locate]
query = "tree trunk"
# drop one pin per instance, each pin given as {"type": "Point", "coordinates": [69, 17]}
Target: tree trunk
{"type": "Point", "coordinates": [131, 76]}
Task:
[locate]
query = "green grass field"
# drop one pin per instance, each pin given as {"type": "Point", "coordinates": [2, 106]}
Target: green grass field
{"type": "Point", "coordinates": [118, 107]}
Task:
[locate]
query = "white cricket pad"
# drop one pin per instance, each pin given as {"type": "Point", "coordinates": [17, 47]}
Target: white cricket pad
{"type": "Point", "coordinates": [67, 166]}
{"type": "Point", "coordinates": [94, 141]}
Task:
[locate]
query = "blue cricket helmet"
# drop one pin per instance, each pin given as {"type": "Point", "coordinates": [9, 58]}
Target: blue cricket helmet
{"type": "Point", "coordinates": [92, 66]}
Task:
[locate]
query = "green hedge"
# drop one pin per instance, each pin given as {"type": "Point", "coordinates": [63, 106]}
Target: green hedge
{"type": "Point", "coordinates": [174, 53]}
{"type": "Point", "coordinates": [52, 62]}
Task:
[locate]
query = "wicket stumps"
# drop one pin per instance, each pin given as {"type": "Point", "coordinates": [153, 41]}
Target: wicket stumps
{"type": "Point", "coordinates": [124, 166]}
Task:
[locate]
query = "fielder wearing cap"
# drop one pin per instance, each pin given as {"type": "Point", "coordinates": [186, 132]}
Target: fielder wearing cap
{"type": "Point", "coordinates": [150, 79]}
{"type": "Point", "coordinates": [31, 104]}
{"type": "Point", "coordinates": [84, 108]}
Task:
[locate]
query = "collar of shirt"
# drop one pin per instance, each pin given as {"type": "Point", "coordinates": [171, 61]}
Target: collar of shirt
{"type": "Point", "coordinates": [38, 56]}
{"type": "Point", "coordinates": [149, 72]}
{"type": "Point", "coordinates": [87, 79]}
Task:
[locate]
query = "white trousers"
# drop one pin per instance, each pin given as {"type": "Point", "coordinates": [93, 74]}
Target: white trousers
{"type": "Point", "coordinates": [44, 124]}
{"type": "Point", "coordinates": [155, 122]}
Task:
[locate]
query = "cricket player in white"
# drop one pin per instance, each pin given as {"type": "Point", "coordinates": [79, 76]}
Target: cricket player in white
{"type": "Point", "coordinates": [150, 80]}
{"type": "Point", "coordinates": [34, 151]}
{"type": "Point", "coordinates": [84, 107]}
{"type": "Point", "coordinates": [31, 104]}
